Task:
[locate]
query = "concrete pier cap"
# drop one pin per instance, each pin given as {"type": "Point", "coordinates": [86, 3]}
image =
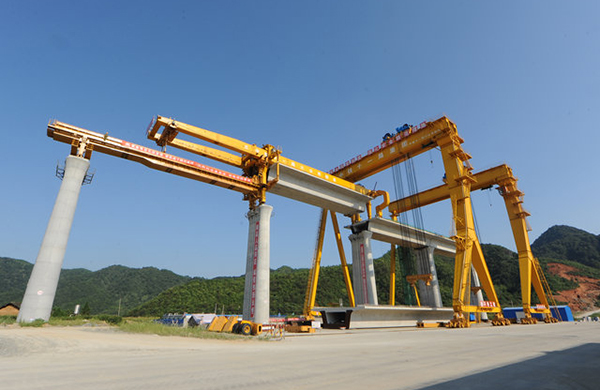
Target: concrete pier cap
{"type": "Point", "coordinates": [41, 288]}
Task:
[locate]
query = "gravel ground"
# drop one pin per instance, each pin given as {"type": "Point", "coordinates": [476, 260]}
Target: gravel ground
{"type": "Point", "coordinates": [546, 356]}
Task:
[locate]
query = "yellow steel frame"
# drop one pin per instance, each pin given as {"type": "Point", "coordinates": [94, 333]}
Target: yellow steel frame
{"type": "Point", "coordinates": [502, 176]}
{"type": "Point", "coordinates": [255, 161]}
{"type": "Point", "coordinates": [78, 137]}
{"type": "Point", "coordinates": [441, 133]}
{"type": "Point", "coordinates": [313, 278]}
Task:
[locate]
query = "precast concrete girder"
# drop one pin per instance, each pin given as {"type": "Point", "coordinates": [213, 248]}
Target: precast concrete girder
{"type": "Point", "coordinates": [404, 235]}
{"type": "Point", "coordinates": [309, 188]}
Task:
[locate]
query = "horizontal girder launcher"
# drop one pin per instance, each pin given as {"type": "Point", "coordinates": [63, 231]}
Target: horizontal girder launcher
{"type": "Point", "coordinates": [80, 138]}
{"type": "Point", "coordinates": [273, 172]}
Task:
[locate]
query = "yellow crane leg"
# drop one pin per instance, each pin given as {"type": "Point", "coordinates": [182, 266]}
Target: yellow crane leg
{"type": "Point", "coordinates": [414, 285]}
{"type": "Point", "coordinates": [313, 279]}
{"type": "Point", "coordinates": [345, 271]}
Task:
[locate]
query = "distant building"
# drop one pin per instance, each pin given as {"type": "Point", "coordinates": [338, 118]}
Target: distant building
{"type": "Point", "coordinates": [10, 309]}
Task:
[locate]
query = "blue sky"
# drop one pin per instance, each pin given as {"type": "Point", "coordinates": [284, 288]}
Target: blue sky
{"type": "Point", "coordinates": [324, 80]}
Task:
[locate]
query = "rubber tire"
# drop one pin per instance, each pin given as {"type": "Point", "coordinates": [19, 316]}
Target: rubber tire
{"type": "Point", "coordinates": [246, 329]}
{"type": "Point", "coordinates": [236, 328]}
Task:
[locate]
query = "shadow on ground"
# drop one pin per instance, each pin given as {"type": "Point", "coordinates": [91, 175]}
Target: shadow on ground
{"type": "Point", "coordinates": [574, 368]}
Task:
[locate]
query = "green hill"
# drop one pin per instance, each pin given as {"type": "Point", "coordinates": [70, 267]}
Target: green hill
{"type": "Point", "coordinates": [101, 289]}
{"type": "Point", "coordinates": [568, 243]}
{"type": "Point", "coordinates": [149, 291]}
{"type": "Point", "coordinates": [288, 287]}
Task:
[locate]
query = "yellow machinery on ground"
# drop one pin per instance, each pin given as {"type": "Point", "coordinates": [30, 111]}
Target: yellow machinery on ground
{"type": "Point", "coordinates": [232, 324]}
{"type": "Point", "coordinates": [529, 270]}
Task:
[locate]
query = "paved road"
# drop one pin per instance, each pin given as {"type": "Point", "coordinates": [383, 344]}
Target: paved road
{"type": "Point", "coordinates": [550, 356]}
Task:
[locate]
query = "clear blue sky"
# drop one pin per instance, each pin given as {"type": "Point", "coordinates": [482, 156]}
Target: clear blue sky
{"type": "Point", "coordinates": [324, 80]}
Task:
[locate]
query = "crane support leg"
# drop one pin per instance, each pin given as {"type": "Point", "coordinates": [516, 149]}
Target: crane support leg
{"type": "Point", "coordinates": [468, 249]}
{"type": "Point", "coordinates": [41, 288]}
{"type": "Point", "coordinates": [345, 271]}
{"type": "Point", "coordinates": [313, 277]}
{"type": "Point", "coordinates": [363, 271]}
{"type": "Point", "coordinates": [256, 291]}
{"type": "Point", "coordinates": [513, 199]}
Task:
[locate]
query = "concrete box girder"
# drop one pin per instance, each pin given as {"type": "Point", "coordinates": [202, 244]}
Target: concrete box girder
{"type": "Point", "coordinates": [307, 188]}
{"type": "Point", "coordinates": [404, 235]}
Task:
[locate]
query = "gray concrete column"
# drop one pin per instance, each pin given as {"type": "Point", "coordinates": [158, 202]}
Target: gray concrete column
{"type": "Point", "coordinates": [363, 272]}
{"type": "Point", "coordinates": [41, 288]}
{"type": "Point", "coordinates": [256, 291]}
{"type": "Point", "coordinates": [428, 295]}
{"type": "Point", "coordinates": [478, 295]}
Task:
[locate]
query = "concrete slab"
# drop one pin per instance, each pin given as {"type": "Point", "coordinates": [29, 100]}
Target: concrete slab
{"type": "Point", "coordinates": [381, 316]}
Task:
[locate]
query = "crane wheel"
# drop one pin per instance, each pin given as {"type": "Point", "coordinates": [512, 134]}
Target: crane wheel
{"type": "Point", "coordinates": [236, 328]}
{"type": "Point", "coordinates": [246, 329]}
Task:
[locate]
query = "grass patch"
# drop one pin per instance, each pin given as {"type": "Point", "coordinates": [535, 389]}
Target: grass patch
{"type": "Point", "coordinates": [147, 326]}
{"type": "Point", "coordinates": [34, 324]}
{"type": "Point", "coordinates": [8, 320]}
{"type": "Point", "coordinates": [75, 321]}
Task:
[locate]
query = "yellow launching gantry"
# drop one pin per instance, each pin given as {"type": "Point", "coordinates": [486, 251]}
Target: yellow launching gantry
{"type": "Point", "coordinates": [264, 165]}
{"type": "Point", "coordinates": [263, 168]}
{"type": "Point", "coordinates": [529, 269]}
{"type": "Point", "coordinates": [413, 141]}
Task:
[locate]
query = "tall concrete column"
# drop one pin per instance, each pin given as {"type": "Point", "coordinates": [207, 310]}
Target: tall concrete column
{"type": "Point", "coordinates": [428, 295]}
{"type": "Point", "coordinates": [256, 291]}
{"type": "Point", "coordinates": [478, 296]}
{"type": "Point", "coordinates": [363, 272]}
{"type": "Point", "coordinates": [41, 288]}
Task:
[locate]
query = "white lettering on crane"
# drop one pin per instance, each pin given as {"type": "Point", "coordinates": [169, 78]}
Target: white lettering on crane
{"type": "Point", "coordinates": [389, 142]}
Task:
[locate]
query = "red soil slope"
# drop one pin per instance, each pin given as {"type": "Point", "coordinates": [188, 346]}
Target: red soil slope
{"type": "Point", "coordinates": [582, 298]}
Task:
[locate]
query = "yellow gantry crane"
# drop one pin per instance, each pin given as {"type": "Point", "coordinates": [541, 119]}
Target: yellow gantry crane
{"type": "Point", "coordinates": [440, 133]}
{"type": "Point", "coordinates": [529, 270]}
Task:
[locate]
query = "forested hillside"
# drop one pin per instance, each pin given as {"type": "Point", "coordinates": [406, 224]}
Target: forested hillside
{"type": "Point", "coordinates": [568, 243]}
{"type": "Point", "coordinates": [288, 287]}
{"type": "Point", "coordinates": [573, 255]}
{"type": "Point", "coordinates": [101, 290]}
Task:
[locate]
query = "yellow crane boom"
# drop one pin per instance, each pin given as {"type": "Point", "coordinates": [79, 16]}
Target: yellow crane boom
{"type": "Point", "coordinates": [155, 159]}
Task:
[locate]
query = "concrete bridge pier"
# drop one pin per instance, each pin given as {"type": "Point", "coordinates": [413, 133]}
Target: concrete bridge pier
{"type": "Point", "coordinates": [477, 296]}
{"type": "Point", "coordinates": [428, 295]}
{"type": "Point", "coordinates": [41, 288]}
{"type": "Point", "coordinates": [256, 290]}
{"type": "Point", "coordinates": [363, 272]}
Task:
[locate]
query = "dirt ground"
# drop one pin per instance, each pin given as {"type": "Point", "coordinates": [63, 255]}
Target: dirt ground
{"type": "Point", "coordinates": [582, 298]}
{"type": "Point", "coordinates": [550, 356]}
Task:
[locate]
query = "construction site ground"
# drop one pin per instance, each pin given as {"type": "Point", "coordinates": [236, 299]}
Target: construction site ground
{"type": "Point", "coordinates": [549, 356]}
